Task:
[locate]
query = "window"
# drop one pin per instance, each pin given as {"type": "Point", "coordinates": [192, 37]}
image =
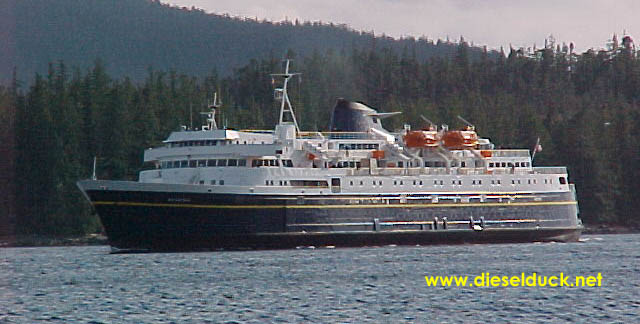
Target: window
{"type": "Point", "coordinates": [211, 163]}
{"type": "Point", "coordinates": [563, 180]}
{"type": "Point", "coordinates": [221, 163]}
{"type": "Point", "coordinates": [201, 182]}
{"type": "Point", "coordinates": [202, 163]}
{"type": "Point", "coordinates": [518, 164]}
{"type": "Point", "coordinates": [242, 163]}
{"type": "Point", "coordinates": [184, 164]}
{"type": "Point", "coordinates": [463, 164]}
{"type": "Point", "coordinates": [490, 164]}
{"type": "Point", "coordinates": [310, 183]}
{"type": "Point", "coordinates": [176, 164]}
{"type": "Point", "coordinates": [232, 162]}
{"type": "Point", "coordinates": [213, 182]}
{"type": "Point", "coordinates": [192, 163]}
{"type": "Point", "coordinates": [221, 182]}
{"type": "Point", "coordinates": [400, 164]}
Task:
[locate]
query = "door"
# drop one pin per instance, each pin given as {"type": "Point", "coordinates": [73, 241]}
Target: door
{"type": "Point", "coordinates": [335, 184]}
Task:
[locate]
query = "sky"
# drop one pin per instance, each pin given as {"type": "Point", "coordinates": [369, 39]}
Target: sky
{"type": "Point", "coordinates": [494, 23]}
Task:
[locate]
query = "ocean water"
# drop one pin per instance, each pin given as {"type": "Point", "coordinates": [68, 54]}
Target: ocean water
{"type": "Point", "coordinates": [354, 285]}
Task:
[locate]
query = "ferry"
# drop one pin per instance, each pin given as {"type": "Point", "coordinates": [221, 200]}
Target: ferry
{"type": "Point", "coordinates": [356, 185]}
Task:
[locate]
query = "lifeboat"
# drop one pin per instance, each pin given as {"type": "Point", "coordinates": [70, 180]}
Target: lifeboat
{"type": "Point", "coordinates": [460, 139]}
{"type": "Point", "coordinates": [421, 139]}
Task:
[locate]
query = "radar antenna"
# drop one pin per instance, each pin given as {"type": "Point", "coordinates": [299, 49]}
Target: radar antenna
{"type": "Point", "coordinates": [211, 115]}
{"type": "Point", "coordinates": [281, 94]}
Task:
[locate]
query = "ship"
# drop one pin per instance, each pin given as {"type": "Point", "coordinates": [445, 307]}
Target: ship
{"type": "Point", "coordinates": [355, 185]}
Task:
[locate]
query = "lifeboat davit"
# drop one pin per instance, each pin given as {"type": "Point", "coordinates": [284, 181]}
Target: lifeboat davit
{"type": "Point", "coordinates": [460, 139]}
{"type": "Point", "coordinates": [421, 139]}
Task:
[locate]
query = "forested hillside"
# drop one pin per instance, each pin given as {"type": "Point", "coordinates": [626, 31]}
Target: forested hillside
{"type": "Point", "coordinates": [585, 109]}
{"type": "Point", "coordinates": [132, 35]}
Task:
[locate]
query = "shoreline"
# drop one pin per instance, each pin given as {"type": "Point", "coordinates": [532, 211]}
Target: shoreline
{"type": "Point", "coordinates": [606, 229]}
{"type": "Point", "coordinates": [49, 241]}
{"type": "Point", "coordinates": [100, 239]}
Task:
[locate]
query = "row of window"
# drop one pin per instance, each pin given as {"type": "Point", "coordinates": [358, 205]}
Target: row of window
{"type": "Point", "coordinates": [458, 182]}
{"type": "Point", "coordinates": [197, 143]}
{"type": "Point", "coordinates": [344, 164]}
{"type": "Point", "coordinates": [223, 163]}
{"type": "Point", "coordinates": [324, 184]}
{"type": "Point", "coordinates": [203, 163]}
{"type": "Point", "coordinates": [206, 143]}
{"type": "Point", "coordinates": [214, 182]}
{"type": "Point", "coordinates": [509, 164]}
{"type": "Point", "coordinates": [271, 163]}
{"type": "Point", "coordinates": [299, 183]}
{"type": "Point", "coordinates": [358, 146]}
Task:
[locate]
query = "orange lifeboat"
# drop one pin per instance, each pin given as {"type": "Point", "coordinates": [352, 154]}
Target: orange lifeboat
{"type": "Point", "coordinates": [377, 155]}
{"type": "Point", "coordinates": [460, 139]}
{"type": "Point", "coordinates": [422, 138]}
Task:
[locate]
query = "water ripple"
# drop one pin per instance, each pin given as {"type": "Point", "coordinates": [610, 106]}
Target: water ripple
{"type": "Point", "coordinates": [377, 284]}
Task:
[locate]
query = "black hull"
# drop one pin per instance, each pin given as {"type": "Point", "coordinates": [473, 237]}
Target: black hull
{"type": "Point", "coordinates": [187, 221]}
{"type": "Point", "coordinates": [322, 240]}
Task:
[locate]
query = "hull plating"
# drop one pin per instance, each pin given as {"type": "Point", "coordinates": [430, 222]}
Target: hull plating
{"type": "Point", "coordinates": [163, 221]}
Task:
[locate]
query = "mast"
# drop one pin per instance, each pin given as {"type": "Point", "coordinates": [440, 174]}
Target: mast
{"type": "Point", "coordinates": [211, 115]}
{"type": "Point", "coordinates": [281, 94]}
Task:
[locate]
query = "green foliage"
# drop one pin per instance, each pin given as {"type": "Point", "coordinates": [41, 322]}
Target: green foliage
{"type": "Point", "coordinates": [131, 35]}
{"type": "Point", "coordinates": [584, 108]}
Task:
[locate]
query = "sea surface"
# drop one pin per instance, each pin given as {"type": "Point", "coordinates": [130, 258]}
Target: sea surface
{"type": "Point", "coordinates": [322, 285]}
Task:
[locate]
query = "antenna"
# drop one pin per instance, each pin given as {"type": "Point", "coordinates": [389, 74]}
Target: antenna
{"type": "Point", "coordinates": [190, 116]}
{"type": "Point", "coordinates": [93, 176]}
{"type": "Point", "coordinates": [281, 94]}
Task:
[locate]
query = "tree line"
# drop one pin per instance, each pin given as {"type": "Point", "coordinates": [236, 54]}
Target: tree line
{"type": "Point", "coordinates": [130, 35]}
{"type": "Point", "coordinates": [584, 108]}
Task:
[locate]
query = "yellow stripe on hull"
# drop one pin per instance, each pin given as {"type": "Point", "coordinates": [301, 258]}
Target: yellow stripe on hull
{"type": "Point", "coordinates": [430, 205]}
